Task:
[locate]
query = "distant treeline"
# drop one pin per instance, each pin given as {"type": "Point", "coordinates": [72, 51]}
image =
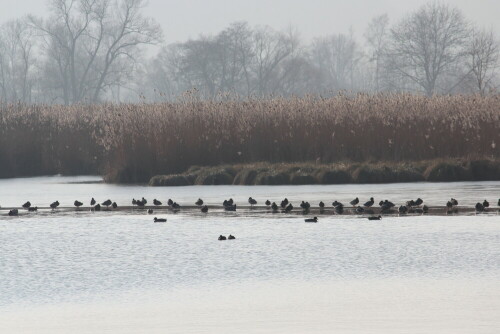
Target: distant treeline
{"type": "Point", "coordinates": [95, 51]}
{"type": "Point", "coordinates": [133, 142]}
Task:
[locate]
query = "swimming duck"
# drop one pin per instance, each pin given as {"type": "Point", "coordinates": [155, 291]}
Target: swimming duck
{"type": "Point", "coordinates": [375, 218]}
{"type": "Point", "coordinates": [311, 220]}
{"type": "Point", "coordinates": [156, 202]}
{"type": "Point", "coordinates": [33, 208]}
{"type": "Point", "coordinates": [221, 237]}
{"type": "Point", "coordinates": [231, 237]}
{"type": "Point", "coordinates": [159, 220]}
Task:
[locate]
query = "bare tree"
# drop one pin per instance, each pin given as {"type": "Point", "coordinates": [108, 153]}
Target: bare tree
{"type": "Point", "coordinates": [376, 36]}
{"type": "Point", "coordinates": [17, 61]}
{"type": "Point", "coordinates": [91, 44]}
{"type": "Point", "coordinates": [483, 58]}
{"type": "Point", "coordinates": [336, 57]}
{"type": "Point", "coordinates": [427, 43]}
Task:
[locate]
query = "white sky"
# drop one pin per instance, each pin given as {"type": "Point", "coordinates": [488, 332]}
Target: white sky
{"type": "Point", "coordinates": [182, 19]}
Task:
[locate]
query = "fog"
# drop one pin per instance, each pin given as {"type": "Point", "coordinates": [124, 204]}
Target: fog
{"type": "Point", "coordinates": [245, 48]}
{"type": "Point", "coordinates": [184, 19]}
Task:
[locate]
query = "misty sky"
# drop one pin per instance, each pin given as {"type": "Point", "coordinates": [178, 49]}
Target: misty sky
{"type": "Point", "coordinates": [182, 19]}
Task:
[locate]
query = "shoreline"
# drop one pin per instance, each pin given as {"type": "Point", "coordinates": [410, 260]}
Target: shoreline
{"type": "Point", "coordinates": [450, 170]}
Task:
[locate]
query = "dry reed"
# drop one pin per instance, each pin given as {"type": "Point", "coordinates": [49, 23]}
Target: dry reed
{"type": "Point", "coordinates": [132, 142]}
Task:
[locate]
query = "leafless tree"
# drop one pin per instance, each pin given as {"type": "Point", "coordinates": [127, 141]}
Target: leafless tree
{"type": "Point", "coordinates": [376, 36]}
{"type": "Point", "coordinates": [336, 59]}
{"type": "Point", "coordinates": [483, 58]}
{"type": "Point", "coordinates": [91, 44]}
{"type": "Point", "coordinates": [17, 61]}
{"type": "Point", "coordinates": [427, 43]}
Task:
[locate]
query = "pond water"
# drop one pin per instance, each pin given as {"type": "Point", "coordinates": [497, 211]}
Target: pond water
{"type": "Point", "coordinates": [118, 272]}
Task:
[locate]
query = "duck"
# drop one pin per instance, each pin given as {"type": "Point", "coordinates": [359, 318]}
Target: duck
{"type": "Point", "coordinates": [231, 237]}
{"type": "Point", "coordinates": [97, 207]}
{"type": "Point", "coordinates": [305, 205]}
{"type": "Point", "coordinates": [486, 204]}
{"type": "Point", "coordinates": [479, 207]}
{"type": "Point", "coordinates": [230, 207]}
{"type": "Point", "coordinates": [160, 220]}
{"type": "Point", "coordinates": [268, 203]}
{"type": "Point", "coordinates": [27, 205]}
{"type": "Point", "coordinates": [425, 209]}
{"type": "Point", "coordinates": [150, 211]}
{"type": "Point", "coordinates": [375, 218]}
{"type": "Point", "coordinates": [274, 206]}
{"type": "Point", "coordinates": [77, 204]}
{"type": "Point", "coordinates": [54, 205]}
{"type": "Point", "coordinates": [369, 203]}
{"type": "Point", "coordinates": [360, 210]}
{"type": "Point", "coordinates": [289, 208]}
{"type": "Point", "coordinates": [449, 205]}
{"type": "Point", "coordinates": [354, 202]}
{"type": "Point", "coordinates": [107, 203]}
{"type": "Point", "coordinates": [144, 201]}
{"type": "Point", "coordinates": [284, 203]}
{"type": "Point", "coordinates": [339, 209]}
{"type": "Point", "coordinates": [33, 208]}
{"type": "Point", "coordinates": [13, 212]}
{"type": "Point", "coordinates": [199, 202]}
{"type": "Point", "coordinates": [321, 205]}
{"type": "Point", "coordinates": [419, 201]}
{"type": "Point", "coordinates": [140, 203]}
{"type": "Point", "coordinates": [336, 203]}
{"type": "Point", "coordinates": [311, 220]}
{"type": "Point", "coordinates": [454, 201]}
{"type": "Point", "coordinates": [156, 202]}
{"type": "Point", "coordinates": [251, 201]}
{"type": "Point", "coordinates": [170, 202]}
{"type": "Point", "coordinates": [175, 206]}
{"type": "Point", "coordinates": [204, 209]}
{"type": "Point", "coordinates": [92, 202]}
{"type": "Point", "coordinates": [403, 209]}
{"type": "Point", "coordinates": [134, 202]}
{"type": "Point", "coordinates": [221, 237]}
{"type": "Point", "coordinates": [114, 205]}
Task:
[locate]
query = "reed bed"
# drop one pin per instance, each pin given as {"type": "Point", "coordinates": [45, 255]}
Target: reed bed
{"type": "Point", "coordinates": [133, 142]}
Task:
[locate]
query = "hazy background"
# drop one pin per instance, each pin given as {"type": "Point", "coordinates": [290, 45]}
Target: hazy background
{"type": "Point", "coordinates": [186, 19]}
{"type": "Point", "coordinates": [82, 51]}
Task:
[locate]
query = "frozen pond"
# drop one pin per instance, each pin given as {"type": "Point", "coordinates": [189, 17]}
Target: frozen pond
{"type": "Point", "coordinates": [121, 273]}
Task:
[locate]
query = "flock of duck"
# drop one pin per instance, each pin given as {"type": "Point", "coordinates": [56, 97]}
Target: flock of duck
{"type": "Point", "coordinates": [386, 207]}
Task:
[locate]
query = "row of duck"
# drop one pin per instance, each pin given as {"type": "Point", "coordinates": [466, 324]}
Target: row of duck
{"type": "Point", "coordinates": [386, 206]}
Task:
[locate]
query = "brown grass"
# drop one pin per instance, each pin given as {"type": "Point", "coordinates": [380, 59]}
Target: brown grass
{"type": "Point", "coordinates": [132, 142]}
